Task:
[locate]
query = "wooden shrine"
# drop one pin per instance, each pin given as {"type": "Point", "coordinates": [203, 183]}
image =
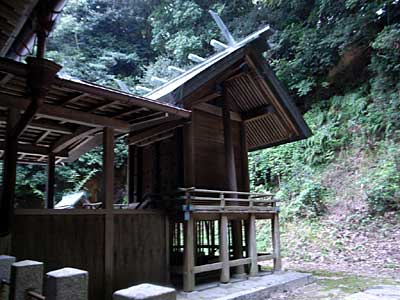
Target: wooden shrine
{"type": "Point", "coordinates": [191, 214]}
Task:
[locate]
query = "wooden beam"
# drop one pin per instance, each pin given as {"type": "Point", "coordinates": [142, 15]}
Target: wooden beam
{"type": "Point", "coordinates": [25, 119]}
{"type": "Point", "coordinates": [74, 99]}
{"type": "Point", "coordinates": [85, 147]}
{"type": "Point", "coordinates": [42, 137]}
{"type": "Point", "coordinates": [189, 259]}
{"type": "Point", "coordinates": [232, 179]}
{"type": "Point", "coordinates": [276, 241]}
{"type": "Point", "coordinates": [139, 174]}
{"type": "Point", "coordinates": [136, 138]}
{"type": "Point", "coordinates": [252, 246]}
{"type": "Point", "coordinates": [108, 206]}
{"type": "Point", "coordinates": [205, 99]}
{"type": "Point", "coordinates": [64, 114]}
{"type": "Point", "coordinates": [258, 113]}
{"type": "Point", "coordinates": [100, 106]}
{"type": "Point", "coordinates": [50, 185]}
{"type": "Point", "coordinates": [31, 149]}
{"type": "Point", "coordinates": [224, 249]}
{"type": "Point", "coordinates": [6, 79]}
{"type": "Point", "coordinates": [131, 173]}
{"type": "Point", "coordinates": [217, 111]}
{"type": "Point", "coordinates": [68, 140]}
{"type": "Point", "coordinates": [9, 176]}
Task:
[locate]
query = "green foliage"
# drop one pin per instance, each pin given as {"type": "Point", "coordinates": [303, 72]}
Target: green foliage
{"type": "Point", "coordinates": [339, 59]}
{"type": "Point", "coordinates": [382, 184]}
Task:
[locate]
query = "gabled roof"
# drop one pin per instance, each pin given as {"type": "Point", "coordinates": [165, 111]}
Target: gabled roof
{"type": "Point", "coordinates": [260, 99]}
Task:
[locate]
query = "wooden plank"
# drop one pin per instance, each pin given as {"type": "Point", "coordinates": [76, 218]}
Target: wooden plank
{"type": "Point", "coordinates": [64, 114]}
{"type": "Point", "coordinates": [252, 245]}
{"type": "Point", "coordinates": [224, 249]}
{"type": "Point", "coordinates": [108, 205]}
{"type": "Point", "coordinates": [50, 184]}
{"type": "Point", "coordinates": [207, 268]}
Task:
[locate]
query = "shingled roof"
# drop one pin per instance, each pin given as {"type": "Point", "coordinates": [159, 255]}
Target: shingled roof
{"type": "Point", "coordinates": [259, 98]}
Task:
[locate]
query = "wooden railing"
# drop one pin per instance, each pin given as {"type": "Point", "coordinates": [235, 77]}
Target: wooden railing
{"type": "Point", "coordinates": [204, 200]}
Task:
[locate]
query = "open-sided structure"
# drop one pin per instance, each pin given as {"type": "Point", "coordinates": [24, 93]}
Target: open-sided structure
{"type": "Point", "coordinates": [191, 214]}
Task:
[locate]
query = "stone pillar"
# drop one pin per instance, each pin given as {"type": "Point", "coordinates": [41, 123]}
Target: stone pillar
{"type": "Point", "coordinates": [145, 291]}
{"type": "Point", "coordinates": [67, 284]}
{"type": "Point", "coordinates": [5, 271]}
{"type": "Point", "coordinates": [26, 275]}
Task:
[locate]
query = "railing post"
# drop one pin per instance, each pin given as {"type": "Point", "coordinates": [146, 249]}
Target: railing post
{"type": "Point", "coordinates": [224, 249]}
{"type": "Point", "coordinates": [188, 264]}
{"type": "Point", "coordinates": [252, 246]}
{"type": "Point", "coordinates": [26, 276]}
{"type": "Point", "coordinates": [276, 241]}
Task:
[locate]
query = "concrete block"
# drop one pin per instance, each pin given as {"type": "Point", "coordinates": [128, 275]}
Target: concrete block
{"type": "Point", "coordinates": [26, 275]}
{"type": "Point", "coordinates": [67, 284]}
{"type": "Point", "coordinates": [5, 272]}
{"type": "Point", "coordinates": [145, 292]}
{"type": "Point", "coordinates": [5, 266]}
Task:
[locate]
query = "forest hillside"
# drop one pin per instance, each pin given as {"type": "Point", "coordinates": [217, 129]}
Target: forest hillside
{"type": "Point", "coordinates": [340, 60]}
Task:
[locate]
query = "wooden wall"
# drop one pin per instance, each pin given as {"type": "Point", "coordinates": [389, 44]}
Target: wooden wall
{"type": "Point", "coordinates": [71, 239]}
{"type": "Point", "coordinates": [209, 151]}
{"type": "Point", "coordinates": [140, 249]}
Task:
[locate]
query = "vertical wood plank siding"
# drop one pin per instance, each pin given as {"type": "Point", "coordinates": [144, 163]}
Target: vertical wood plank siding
{"type": "Point", "coordinates": [78, 241]}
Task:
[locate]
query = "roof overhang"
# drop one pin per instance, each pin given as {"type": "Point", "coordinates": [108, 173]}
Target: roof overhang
{"type": "Point", "coordinates": [73, 114]}
{"type": "Point", "coordinates": [259, 98]}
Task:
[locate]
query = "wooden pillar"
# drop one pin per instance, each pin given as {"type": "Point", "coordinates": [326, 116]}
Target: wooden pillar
{"type": "Point", "coordinates": [108, 206]}
{"type": "Point", "coordinates": [9, 175]}
{"type": "Point", "coordinates": [131, 173]}
{"type": "Point", "coordinates": [179, 158]}
{"type": "Point", "coordinates": [276, 242]}
{"type": "Point", "coordinates": [51, 169]}
{"type": "Point", "coordinates": [189, 258]}
{"type": "Point", "coordinates": [224, 248]}
{"type": "Point", "coordinates": [237, 237]}
{"type": "Point", "coordinates": [139, 174]}
{"type": "Point", "coordinates": [189, 224]}
{"type": "Point", "coordinates": [157, 168]}
{"type": "Point", "coordinates": [252, 245]}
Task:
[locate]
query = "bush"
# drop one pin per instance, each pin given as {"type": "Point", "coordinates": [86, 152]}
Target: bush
{"type": "Point", "coordinates": [382, 184]}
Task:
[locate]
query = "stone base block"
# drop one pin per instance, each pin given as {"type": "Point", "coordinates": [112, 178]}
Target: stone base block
{"type": "Point", "coordinates": [145, 292]}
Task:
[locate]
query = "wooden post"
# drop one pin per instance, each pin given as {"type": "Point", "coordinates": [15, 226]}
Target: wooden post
{"type": "Point", "coordinates": [51, 168]}
{"type": "Point", "coordinates": [139, 174]}
{"type": "Point", "coordinates": [237, 238]}
{"type": "Point", "coordinates": [189, 258]}
{"type": "Point", "coordinates": [179, 157]}
{"type": "Point", "coordinates": [168, 244]}
{"type": "Point", "coordinates": [276, 242]}
{"type": "Point", "coordinates": [108, 206]}
{"type": "Point", "coordinates": [131, 173]}
{"type": "Point", "coordinates": [9, 175]}
{"type": "Point", "coordinates": [157, 168]}
{"type": "Point", "coordinates": [252, 245]}
{"type": "Point", "coordinates": [245, 159]}
{"type": "Point", "coordinates": [224, 248]}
